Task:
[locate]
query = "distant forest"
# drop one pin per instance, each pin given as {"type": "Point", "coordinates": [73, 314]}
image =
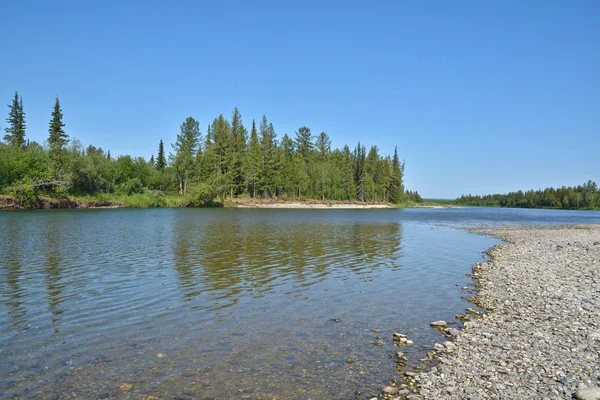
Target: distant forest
{"type": "Point", "coordinates": [227, 161]}
{"type": "Point", "coordinates": [585, 196]}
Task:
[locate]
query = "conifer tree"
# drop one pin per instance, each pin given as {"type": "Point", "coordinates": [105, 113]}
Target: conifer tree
{"type": "Point", "coordinates": [348, 183]}
{"type": "Point", "coordinates": [57, 138]}
{"type": "Point", "coordinates": [323, 144]}
{"type": "Point", "coordinates": [304, 142]}
{"type": "Point", "coordinates": [254, 161]}
{"type": "Point", "coordinates": [268, 144]}
{"type": "Point", "coordinates": [396, 187]}
{"type": "Point", "coordinates": [238, 137]}
{"type": "Point", "coordinates": [15, 132]}
{"type": "Point", "coordinates": [359, 172]}
{"type": "Point", "coordinates": [161, 161]}
{"type": "Point", "coordinates": [185, 151]}
{"type": "Point", "coordinates": [151, 162]}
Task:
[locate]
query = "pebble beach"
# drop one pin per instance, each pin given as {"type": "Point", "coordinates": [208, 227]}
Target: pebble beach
{"type": "Point", "coordinates": [540, 335]}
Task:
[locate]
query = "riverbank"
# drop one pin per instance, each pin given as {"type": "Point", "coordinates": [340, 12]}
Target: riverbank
{"type": "Point", "coordinates": [540, 336]}
{"type": "Point", "coordinates": [308, 204]}
{"type": "Point", "coordinates": [149, 200]}
{"type": "Point", "coordinates": [46, 203]}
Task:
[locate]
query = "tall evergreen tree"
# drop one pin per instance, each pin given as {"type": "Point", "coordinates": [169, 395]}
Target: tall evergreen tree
{"type": "Point", "coordinates": [15, 132]}
{"type": "Point", "coordinates": [238, 137]}
{"type": "Point", "coordinates": [254, 161]}
{"type": "Point", "coordinates": [323, 144]}
{"type": "Point", "coordinates": [268, 144]}
{"type": "Point", "coordinates": [161, 161]}
{"type": "Point", "coordinates": [57, 138]}
{"type": "Point", "coordinates": [185, 151]}
{"type": "Point", "coordinates": [348, 183]}
{"type": "Point", "coordinates": [359, 172]}
{"type": "Point", "coordinates": [396, 187]}
{"type": "Point", "coordinates": [304, 142]}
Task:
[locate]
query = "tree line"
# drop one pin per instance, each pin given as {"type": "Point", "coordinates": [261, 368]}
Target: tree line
{"type": "Point", "coordinates": [227, 161]}
{"type": "Point", "coordinates": [584, 196]}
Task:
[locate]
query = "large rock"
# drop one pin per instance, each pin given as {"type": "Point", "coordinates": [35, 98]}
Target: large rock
{"type": "Point", "coordinates": [439, 324]}
{"type": "Point", "coordinates": [592, 393]}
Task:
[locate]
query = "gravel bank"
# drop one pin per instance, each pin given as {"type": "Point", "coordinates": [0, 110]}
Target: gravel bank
{"type": "Point", "coordinates": [540, 338]}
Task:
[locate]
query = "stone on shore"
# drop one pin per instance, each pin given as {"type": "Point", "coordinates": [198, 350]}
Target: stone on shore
{"type": "Point", "coordinates": [592, 393]}
{"type": "Point", "coordinates": [439, 324]}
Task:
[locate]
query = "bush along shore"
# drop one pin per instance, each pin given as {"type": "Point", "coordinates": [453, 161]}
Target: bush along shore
{"type": "Point", "coordinates": [540, 336]}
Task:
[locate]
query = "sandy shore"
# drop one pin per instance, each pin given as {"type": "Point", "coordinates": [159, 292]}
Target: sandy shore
{"type": "Point", "coordinates": [540, 338]}
{"type": "Point", "coordinates": [309, 205]}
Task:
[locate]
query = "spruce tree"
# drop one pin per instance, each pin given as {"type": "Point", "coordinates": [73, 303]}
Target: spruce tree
{"type": "Point", "coordinates": [323, 144]}
{"type": "Point", "coordinates": [304, 142]}
{"type": "Point", "coordinates": [15, 132]}
{"type": "Point", "coordinates": [254, 161]}
{"type": "Point", "coordinates": [151, 162]}
{"type": "Point", "coordinates": [268, 144]}
{"type": "Point", "coordinates": [396, 187]}
{"type": "Point", "coordinates": [359, 171]}
{"type": "Point", "coordinates": [161, 161]}
{"type": "Point", "coordinates": [348, 183]}
{"type": "Point", "coordinates": [238, 138]}
{"type": "Point", "coordinates": [185, 151]}
{"type": "Point", "coordinates": [57, 138]}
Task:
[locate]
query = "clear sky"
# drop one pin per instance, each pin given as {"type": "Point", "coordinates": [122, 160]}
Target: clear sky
{"type": "Point", "coordinates": [479, 96]}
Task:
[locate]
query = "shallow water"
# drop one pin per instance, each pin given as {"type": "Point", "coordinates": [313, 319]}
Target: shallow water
{"type": "Point", "coordinates": [192, 303]}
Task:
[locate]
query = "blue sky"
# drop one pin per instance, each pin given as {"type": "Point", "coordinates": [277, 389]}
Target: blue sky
{"type": "Point", "coordinates": [479, 96]}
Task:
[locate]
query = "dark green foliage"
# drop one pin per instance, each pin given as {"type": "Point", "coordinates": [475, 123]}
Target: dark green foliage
{"type": "Point", "coordinates": [161, 161]}
{"type": "Point", "coordinates": [185, 148]}
{"type": "Point", "coordinates": [396, 188]}
{"type": "Point", "coordinates": [323, 144]}
{"type": "Point", "coordinates": [57, 138]}
{"type": "Point", "coordinates": [228, 163]}
{"type": "Point", "coordinates": [254, 162]}
{"type": "Point", "coordinates": [238, 137]}
{"type": "Point", "coordinates": [270, 156]}
{"type": "Point", "coordinates": [15, 132]}
{"type": "Point", "coordinates": [304, 142]}
{"type": "Point", "coordinates": [585, 196]}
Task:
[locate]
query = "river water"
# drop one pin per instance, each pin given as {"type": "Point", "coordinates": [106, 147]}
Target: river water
{"type": "Point", "coordinates": [230, 303]}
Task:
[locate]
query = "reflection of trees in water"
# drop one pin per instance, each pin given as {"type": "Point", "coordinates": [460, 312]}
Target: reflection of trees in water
{"type": "Point", "coordinates": [54, 268]}
{"type": "Point", "coordinates": [10, 257]}
{"type": "Point", "coordinates": [228, 257]}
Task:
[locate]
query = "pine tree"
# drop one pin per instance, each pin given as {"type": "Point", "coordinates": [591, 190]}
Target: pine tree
{"type": "Point", "coordinates": [57, 138]}
{"type": "Point", "coordinates": [323, 144]}
{"type": "Point", "coordinates": [185, 151]}
{"type": "Point", "coordinates": [108, 155]}
{"type": "Point", "coordinates": [268, 144]}
{"type": "Point", "coordinates": [161, 161]}
{"type": "Point", "coordinates": [152, 163]}
{"type": "Point", "coordinates": [221, 155]}
{"type": "Point", "coordinates": [348, 183]}
{"type": "Point", "coordinates": [396, 189]}
{"type": "Point", "coordinates": [254, 161]}
{"type": "Point", "coordinates": [15, 132]}
{"type": "Point", "coordinates": [304, 142]}
{"type": "Point", "coordinates": [238, 137]}
{"type": "Point", "coordinates": [359, 171]}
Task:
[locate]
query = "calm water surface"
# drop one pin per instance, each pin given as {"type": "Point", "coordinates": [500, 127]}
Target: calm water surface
{"type": "Point", "coordinates": [229, 303]}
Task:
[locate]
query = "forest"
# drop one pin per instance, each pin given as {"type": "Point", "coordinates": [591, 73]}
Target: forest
{"type": "Point", "coordinates": [584, 196]}
{"type": "Point", "coordinates": [202, 169]}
